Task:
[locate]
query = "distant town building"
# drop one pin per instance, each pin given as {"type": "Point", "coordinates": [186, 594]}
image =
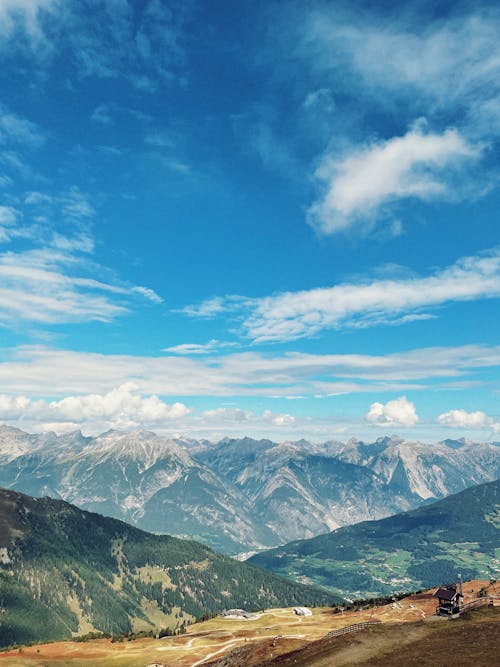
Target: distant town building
{"type": "Point", "coordinates": [302, 611]}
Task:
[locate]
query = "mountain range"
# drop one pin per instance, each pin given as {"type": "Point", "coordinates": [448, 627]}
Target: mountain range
{"type": "Point", "coordinates": [432, 545]}
{"type": "Point", "coordinates": [240, 494]}
{"type": "Point", "coordinates": [65, 571]}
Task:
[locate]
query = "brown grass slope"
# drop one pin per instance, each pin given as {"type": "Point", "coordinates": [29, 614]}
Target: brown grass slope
{"type": "Point", "coordinates": [471, 640]}
{"type": "Point", "coordinates": [408, 633]}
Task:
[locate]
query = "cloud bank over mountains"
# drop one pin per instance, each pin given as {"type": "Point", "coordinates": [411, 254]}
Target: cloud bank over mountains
{"type": "Point", "coordinates": [131, 391]}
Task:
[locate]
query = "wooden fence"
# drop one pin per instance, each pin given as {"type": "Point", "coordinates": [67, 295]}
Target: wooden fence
{"type": "Point", "coordinates": [350, 628]}
{"type": "Point", "coordinates": [488, 601]}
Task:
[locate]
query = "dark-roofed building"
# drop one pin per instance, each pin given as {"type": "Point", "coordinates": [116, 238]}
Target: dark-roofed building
{"type": "Point", "coordinates": [448, 601]}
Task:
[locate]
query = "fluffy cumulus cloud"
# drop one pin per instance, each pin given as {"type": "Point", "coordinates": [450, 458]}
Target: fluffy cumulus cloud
{"type": "Point", "coordinates": [122, 407]}
{"type": "Point", "coordinates": [461, 419]}
{"type": "Point", "coordinates": [398, 412]}
{"type": "Point", "coordinates": [121, 404]}
{"type": "Point", "coordinates": [281, 419]}
{"type": "Point", "coordinates": [359, 184]}
{"type": "Point", "coordinates": [126, 407]}
{"type": "Point", "coordinates": [292, 315]}
{"type": "Point", "coordinates": [14, 407]}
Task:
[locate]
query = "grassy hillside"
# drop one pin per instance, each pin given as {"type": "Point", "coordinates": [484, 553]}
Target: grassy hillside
{"type": "Point", "coordinates": [278, 637]}
{"type": "Point", "coordinates": [408, 551]}
{"type": "Point", "coordinates": [64, 571]}
{"type": "Point", "coordinates": [474, 640]}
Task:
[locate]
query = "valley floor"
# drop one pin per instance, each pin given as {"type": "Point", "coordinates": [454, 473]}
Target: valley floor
{"type": "Point", "coordinates": [278, 637]}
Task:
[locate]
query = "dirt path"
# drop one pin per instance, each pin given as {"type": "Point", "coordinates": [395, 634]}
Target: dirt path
{"type": "Point", "coordinates": [221, 650]}
{"type": "Point", "coordinates": [208, 657]}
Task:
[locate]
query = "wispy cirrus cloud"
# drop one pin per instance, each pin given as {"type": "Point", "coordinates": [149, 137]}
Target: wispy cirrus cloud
{"type": "Point", "coordinates": [24, 16]}
{"type": "Point", "coordinates": [49, 286]}
{"type": "Point", "coordinates": [17, 130]}
{"type": "Point", "coordinates": [217, 305]}
{"type": "Point", "coordinates": [9, 228]}
{"type": "Point", "coordinates": [200, 348]}
{"type": "Point", "coordinates": [30, 370]}
{"type": "Point", "coordinates": [292, 315]}
{"type": "Point", "coordinates": [142, 44]}
{"type": "Point", "coordinates": [19, 138]}
{"type": "Point", "coordinates": [446, 64]}
{"type": "Point", "coordinates": [106, 113]}
{"type": "Point", "coordinates": [55, 279]}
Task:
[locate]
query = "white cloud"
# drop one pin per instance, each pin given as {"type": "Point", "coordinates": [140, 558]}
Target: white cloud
{"type": "Point", "coordinates": [281, 419]}
{"type": "Point", "coordinates": [17, 130]}
{"type": "Point", "coordinates": [32, 370]}
{"type": "Point", "coordinates": [9, 217]}
{"type": "Point", "coordinates": [399, 412]}
{"type": "Point", "coordinates": [121, 404]}
{"type": "Point", "coordinates": [75, 205]}
{"type": "Point", "coordinates": [292, 315]}
{"type": "Point", "coordinates": [199, 348]}
{"type": "Point", "coordinates": [122, 407]}
{"type": "Point", "coordinates": [227, 414]}
{"type": "Point", "coordinates": [148, 293]}
{"type": "Point", "coordinates": [127, 407]}
{"type": "Point", "coordinates": [408, 60]}
{"type": "Point", "coordinates": [359, 184]}
{"type": "Point", "coordinates": [468, 420]}
{"type": "Point", "coordinates": [142, 43]}
{"type": "Point", "coordinates": [41, 286]}
{"type": "Point", "coordinates": [24, 15]}
{"type": "Point", "coordinates": [215, 306]}
{"type": "Point", "coordinates": [53, 280]}
{"type": "Point", "coordinates": [386, 68]}
{"type": "Point", "coordinates": [102, 114]}
{"type": "Point", "coordinates": [13, 407]}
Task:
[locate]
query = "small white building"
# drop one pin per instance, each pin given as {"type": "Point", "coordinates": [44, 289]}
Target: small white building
{"type": "Point", "coordinates": [237, 613]}
{"type": "Point", "coordinates": [302, 611]}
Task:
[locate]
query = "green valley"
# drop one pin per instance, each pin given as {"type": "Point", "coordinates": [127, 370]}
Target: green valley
{"type": "Point", "coordinates": [408, 551]}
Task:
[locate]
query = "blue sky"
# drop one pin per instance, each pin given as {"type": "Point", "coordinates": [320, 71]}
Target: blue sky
{"type": "Point", "coordinates": [253, 218]}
